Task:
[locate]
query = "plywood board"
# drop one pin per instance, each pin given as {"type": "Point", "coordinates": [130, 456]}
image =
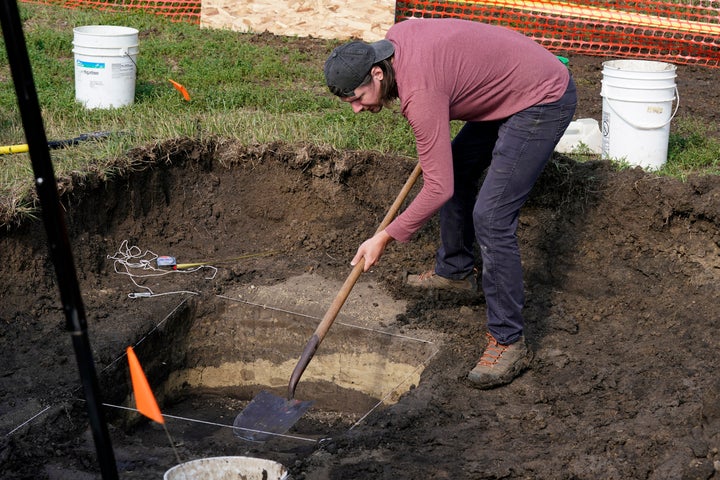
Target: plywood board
{"type": "Point", "coordinates": [333, 19]}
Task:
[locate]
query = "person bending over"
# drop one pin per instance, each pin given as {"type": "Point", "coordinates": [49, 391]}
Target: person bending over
{"type": "Point", "coordinates": [516, 99]}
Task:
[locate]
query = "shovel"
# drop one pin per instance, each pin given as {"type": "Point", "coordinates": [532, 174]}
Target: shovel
{"type": "Point", "coordinates": [268, 414]}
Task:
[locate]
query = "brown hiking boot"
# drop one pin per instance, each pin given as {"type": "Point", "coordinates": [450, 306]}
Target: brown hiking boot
{"type": "Point", "coordinates": [432, 280]}
{"type": "Point", "coordinates": [500, 364]}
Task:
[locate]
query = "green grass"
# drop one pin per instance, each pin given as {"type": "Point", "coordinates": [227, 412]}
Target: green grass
{"type": "Point", "coordinates": [691, 149]}
{"type": "Point", "coordinates": [255, 89]}
{"type": "Point", "coordinates": [240, 87]}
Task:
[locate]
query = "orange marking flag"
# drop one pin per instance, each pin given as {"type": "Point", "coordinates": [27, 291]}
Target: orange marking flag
{"type": "Point", "coordinates": [144, 398]}
{"type": "Point", "coordinates": [180, 89]}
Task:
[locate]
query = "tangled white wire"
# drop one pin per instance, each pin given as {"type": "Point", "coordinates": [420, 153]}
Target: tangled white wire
{"type": "Point", "coordinates": [129, 259]}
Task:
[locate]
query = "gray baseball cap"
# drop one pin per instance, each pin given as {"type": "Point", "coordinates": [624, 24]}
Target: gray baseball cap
{"type": "Point", "coordinates": [349, 64]}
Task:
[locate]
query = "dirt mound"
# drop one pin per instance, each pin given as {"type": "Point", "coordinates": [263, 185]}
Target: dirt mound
{"type": "Point", "coordinates": [622, 272]}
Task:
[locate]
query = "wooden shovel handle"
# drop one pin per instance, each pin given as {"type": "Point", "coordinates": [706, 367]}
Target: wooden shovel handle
{"type": "Point", "coordinates": [345, 290]}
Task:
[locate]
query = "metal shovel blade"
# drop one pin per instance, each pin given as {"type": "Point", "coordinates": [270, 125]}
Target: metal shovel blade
{"type": "Point", "coordinates": [267, 415]}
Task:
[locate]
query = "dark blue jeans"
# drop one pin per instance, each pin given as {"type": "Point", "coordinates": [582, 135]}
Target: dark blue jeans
{"type": "Point", "coordinates": [514, 152]}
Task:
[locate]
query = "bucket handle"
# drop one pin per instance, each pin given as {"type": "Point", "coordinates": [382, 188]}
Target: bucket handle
{"type": "Point", "coordinates": [645, 127]}
{"type": "Point", "coordinates": [126, 53]}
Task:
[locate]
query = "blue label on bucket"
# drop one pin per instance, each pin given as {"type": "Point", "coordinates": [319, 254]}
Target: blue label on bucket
{"type": "Point", "coordinates": [83, 64]}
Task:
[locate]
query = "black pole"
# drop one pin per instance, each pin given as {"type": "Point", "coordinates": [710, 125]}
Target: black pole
{"type": "Point", "coordinates": [54, 220]}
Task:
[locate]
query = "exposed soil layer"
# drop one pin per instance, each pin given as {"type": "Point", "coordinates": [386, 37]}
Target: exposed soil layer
{"type": "Point", "coordinates": [622, 272]}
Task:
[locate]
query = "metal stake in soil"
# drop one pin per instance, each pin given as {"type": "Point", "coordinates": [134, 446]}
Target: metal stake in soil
{"type": "Point", "coordinates": [54, 220]}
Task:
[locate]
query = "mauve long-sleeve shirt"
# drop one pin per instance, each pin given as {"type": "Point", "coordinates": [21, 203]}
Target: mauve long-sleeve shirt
{"type": "Point", "coordinates": [450, 69]}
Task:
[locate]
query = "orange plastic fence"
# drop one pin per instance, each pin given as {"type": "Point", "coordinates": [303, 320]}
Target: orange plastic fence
{"type": "Point", "coordinates": [175, 10]}
{"type": "Point", "coordinates": [681, 31]}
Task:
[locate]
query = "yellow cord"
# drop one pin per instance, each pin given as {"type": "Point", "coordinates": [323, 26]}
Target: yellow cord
{"type": "Point", "coordinates": [183, 266]}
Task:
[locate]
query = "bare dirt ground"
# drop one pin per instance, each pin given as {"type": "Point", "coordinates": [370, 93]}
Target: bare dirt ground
{"type": "Point", "coordinates": [622, 272]}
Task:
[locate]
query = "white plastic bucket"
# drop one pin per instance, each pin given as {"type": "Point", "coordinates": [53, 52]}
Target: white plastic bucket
{"type": "Point", "coordinates": [637, 110]}
{"type": "Point", "coordinates": [228, 468]}
{"type": "Point", "coordinates": [105, 65]}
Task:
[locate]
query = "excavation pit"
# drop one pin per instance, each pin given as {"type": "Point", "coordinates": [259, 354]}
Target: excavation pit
{"type": "Point", "coordinates": [620, 287]}
{"type": "Point", "coordinates": [251, 338]}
